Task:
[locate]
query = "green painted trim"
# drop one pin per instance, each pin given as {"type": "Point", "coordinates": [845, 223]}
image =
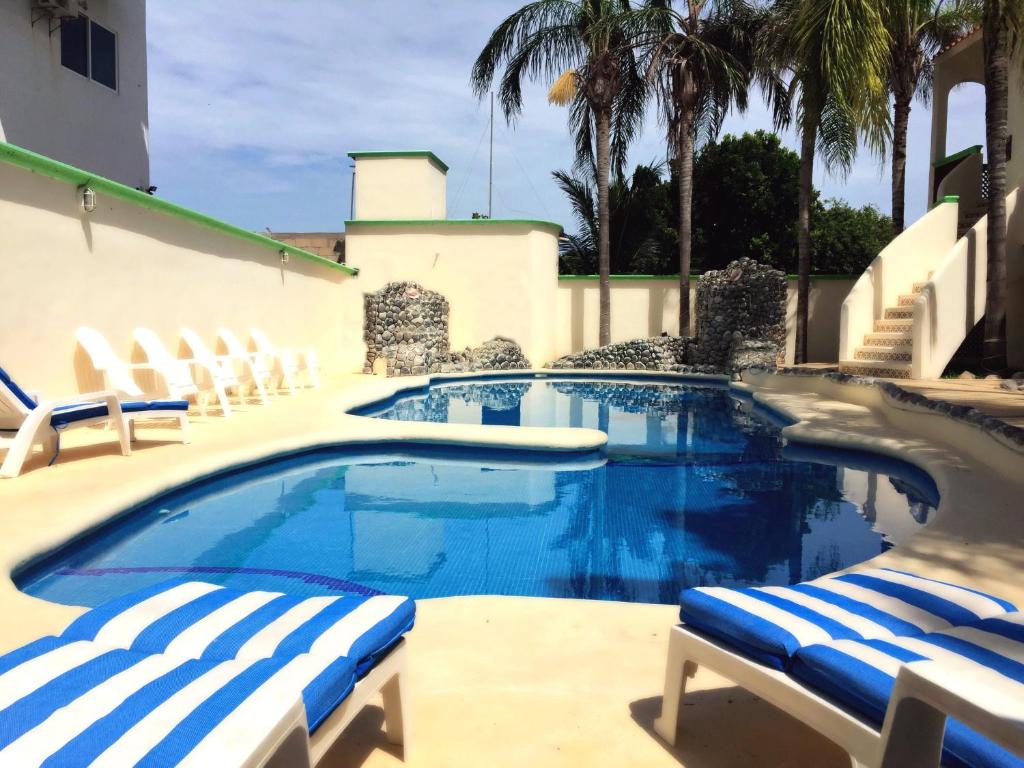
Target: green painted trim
{"type": "Point", "coordinates": [434, 159]}
{"type": "Point", "coordinates": [946, 199]}
{"type": "Point", "coordinates": [675, 278]}
{"type": "Point", "coordinates": [443, 222]}
{"type": "Point", "coordinates": [975, 150]}
{"type": "Point", "coordinates": [46, 166]}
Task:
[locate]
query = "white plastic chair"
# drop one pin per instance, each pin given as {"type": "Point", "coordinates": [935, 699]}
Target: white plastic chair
{"type": "Point", "coordinates": [32, 421]}
{"type": "Point", "coordinates": [253, 366]}
{"type": "Point", "coordinates": [286, 362]}
{"type": "Point", "coordinates": [204, 356]}
{"type": "Point", "coordinates": [210, 376]}
{"type": "Point", "coordinates": [117, 376]}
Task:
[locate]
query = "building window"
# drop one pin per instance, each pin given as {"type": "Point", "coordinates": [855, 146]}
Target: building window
{"type": "Point", "coordinates": [89, 49]}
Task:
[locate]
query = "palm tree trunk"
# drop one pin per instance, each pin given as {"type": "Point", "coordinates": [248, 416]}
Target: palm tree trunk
{"type": "Point", "coordinates": [997, 65]}
{"type": "Point", "coordinates": [803, 243]}
{"type": "Point", "coordinates": [603, 119]}
{"type": "Point", "coordinates": [684, 175]}
{"type": "Point", "coordinates": [901, 119]}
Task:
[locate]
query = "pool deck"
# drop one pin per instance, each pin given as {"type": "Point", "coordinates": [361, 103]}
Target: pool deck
{"type": "Point", "coordinates": [528, 681]}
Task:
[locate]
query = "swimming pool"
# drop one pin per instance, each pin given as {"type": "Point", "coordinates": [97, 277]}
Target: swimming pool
{"type": "Point", "coordinates": [695, 487]}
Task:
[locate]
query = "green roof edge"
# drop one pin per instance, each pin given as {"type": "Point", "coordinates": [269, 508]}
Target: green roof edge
{"type": "Point", "coordinates": [675, 278]}
{"type": "Point", "coordinates": [54, 169]}
{"type": "Point", "coordinates": [442, 222]}
{"type": "Point", "coordinates": [441, 165]}
{"type": "Point", "coordinates": [974, 150]}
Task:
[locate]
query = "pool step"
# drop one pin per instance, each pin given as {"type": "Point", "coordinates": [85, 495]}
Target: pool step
{"type": "Point", "coordinates": [883, 369]}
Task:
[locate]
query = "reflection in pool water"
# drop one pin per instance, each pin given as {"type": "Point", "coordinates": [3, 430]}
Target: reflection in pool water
{"type": "Point", "coordinates": [695, 489]}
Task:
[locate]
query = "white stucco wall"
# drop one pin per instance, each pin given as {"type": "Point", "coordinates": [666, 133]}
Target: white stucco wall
{"type": "Point", "coordinates": [500, 278]}
{"type": "Point", "coordinates": [643, 308]}
{"type": "Point", "coordinates": [124, 266]}
{"type": "Point", "coordinates": [56, 112]}
{"type": "Point", "coordinates": [398, 187]}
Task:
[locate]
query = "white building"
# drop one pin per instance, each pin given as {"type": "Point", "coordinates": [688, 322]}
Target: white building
{"type": "Point", "coordinates": [73, 83]}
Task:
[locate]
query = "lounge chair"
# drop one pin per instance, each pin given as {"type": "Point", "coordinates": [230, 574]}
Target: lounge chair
{"type": "Point", "coordinates": [287, 363]}
{"type": "Point", "coordinates": [42, 421]}
{"type": "Point", "coordinates": [192, 673]}
{"type": "Point", "coordinates": [117, 376]}
{"type": "Point", "coordinates": [210, 375]}
{"type": "Point", "coordinates": [246, 376]}
{"type": "Point", "coordinates": [253, 366]}
{"type": "Point", "coordinates": [828, 651]}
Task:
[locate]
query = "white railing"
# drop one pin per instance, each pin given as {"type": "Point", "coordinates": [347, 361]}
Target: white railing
{"type": "Point", "coordinates": [953, 301]}
{"type": "Point", "coordinates": [906, 260]}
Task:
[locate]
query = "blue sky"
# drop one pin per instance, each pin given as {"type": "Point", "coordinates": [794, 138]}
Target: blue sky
{"type": "Point", "coordinates": [255, 103]}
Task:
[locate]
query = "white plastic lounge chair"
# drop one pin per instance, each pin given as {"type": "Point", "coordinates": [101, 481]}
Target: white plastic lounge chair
{"type": "Point", "coordinates": [42, 421]}
{"type": "Point", "coordinates": [211, 376]}
{"type": "Point", "coordinates": [203, 355]}
{"type": "Point", "coordinates": [117, 376]}
{"type": "Point", "coordinates": [287, 363]}
{"type": "Point", "coordinates": [253, 365]}
{"type": "Point", "coordinates": [33, 422]}
{"type": "Point", "coordinates": [336, 652]}
{"type": "Point", "coordinates": [828, 651]}
{"type": "Point", "coordinates": [927, 692]}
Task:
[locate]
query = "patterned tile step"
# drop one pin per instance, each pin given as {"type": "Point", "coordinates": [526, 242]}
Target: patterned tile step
{"type": "Point", "coordinates": [918, 287]}
{"type": "Point", "coordinates": [888, 354]}
{"type": "Point", "coordinates": [907, 299]}
{"type": "Point", "coordinates": [889, 340]}
{"type": "Point", "coordinates": [899, 313]}
{"type": "Point", "coordinates": [877, 368]}
{"type": "Point", "coordinates": [893, 326]}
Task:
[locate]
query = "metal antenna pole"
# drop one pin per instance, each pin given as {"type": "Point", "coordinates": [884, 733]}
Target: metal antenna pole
{"type": "Point", "coordinates": [490, 172]}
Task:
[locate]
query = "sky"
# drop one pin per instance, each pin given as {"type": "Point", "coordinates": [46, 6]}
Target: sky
{"type": "Point", "coordinates": [254, 105]}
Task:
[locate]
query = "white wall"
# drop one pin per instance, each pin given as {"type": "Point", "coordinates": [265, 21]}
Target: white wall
{"type": "Point", "coordinates": [398, 187]}
{"type": "Point", "coordinates": [500, 278]}
{"type": "Point", "coordinates": [644, 308]}
{"type": "Point", "coordinates": [54, 111]}
{"type": "Point", "coordinates": [124, 266]}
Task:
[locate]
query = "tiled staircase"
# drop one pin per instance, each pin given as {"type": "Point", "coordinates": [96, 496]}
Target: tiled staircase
{"type": "Point", "coordinates": [887, 351]}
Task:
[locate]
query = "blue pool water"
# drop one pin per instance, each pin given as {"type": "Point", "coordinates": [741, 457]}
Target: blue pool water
{"type": "Point", "coordinates": [694, 488]}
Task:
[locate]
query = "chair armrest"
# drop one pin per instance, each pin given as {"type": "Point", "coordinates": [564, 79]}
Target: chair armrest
{"type": "Point", "coordinates": [927, 692]}
{"type": "Point", "coordinates": [85, 397]}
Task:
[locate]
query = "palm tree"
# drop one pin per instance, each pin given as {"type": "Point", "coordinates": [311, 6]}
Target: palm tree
{"type": "Point", "coordinates": [919, 29]}
{"type": "Point", "coordinates": [835, 54]}
{"type": "Point", "coordinates": [1003, 22]}
{"type": "Point", "coordinates": [581, 45]}
{"type": "Point", "coordinates": [701, 60]}
{"type": "Point", "coordinates": [634, 220]}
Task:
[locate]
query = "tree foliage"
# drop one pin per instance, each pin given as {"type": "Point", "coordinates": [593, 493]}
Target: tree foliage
{"type": "Point", "coordinates": [746, 206]}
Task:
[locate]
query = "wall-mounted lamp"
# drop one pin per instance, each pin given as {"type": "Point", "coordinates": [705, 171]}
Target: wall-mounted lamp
{"type": "Point", "coordinates": [284, 256]}
{"type": "Point", "coordinates": [87, 198]}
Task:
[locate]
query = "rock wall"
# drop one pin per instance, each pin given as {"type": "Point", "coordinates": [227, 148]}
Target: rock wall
{"type": "Point", "coordinates": [407, 326]}
{"type": "Point", "coordinates": [744, 302]}
{"type": "Point", "coordinates": [660, 353]}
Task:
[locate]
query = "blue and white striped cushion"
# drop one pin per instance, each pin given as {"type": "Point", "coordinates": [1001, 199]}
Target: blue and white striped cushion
{"type": "Point", "coordinates": [771, 623]}
{"type": "Point", "coordinates": [75, 703]}
{"type": "Point", "coordinates": [194, 619]}
{"type": "Point", "coordinates": [860, 674]}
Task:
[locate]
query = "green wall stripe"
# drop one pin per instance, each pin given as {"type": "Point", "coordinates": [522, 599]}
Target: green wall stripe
{"type": "Point", "coordinates": [434, 159]}
{"type": "Point", "coordinates": [54, 169]}
{"type": "Point", "coordinates": [352, 223]}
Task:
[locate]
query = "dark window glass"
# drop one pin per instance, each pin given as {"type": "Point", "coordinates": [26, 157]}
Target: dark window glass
{"type": "Point", "coordinates": [74, 52]}
{"type": "Point", "coordinates": [103, 55]}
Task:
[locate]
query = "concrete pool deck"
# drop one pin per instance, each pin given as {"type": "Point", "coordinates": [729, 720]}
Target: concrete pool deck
{"type": "Point", "coordinates": [514, 681]}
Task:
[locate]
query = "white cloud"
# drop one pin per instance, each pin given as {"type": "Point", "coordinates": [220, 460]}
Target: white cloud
{"type": "Point", "coordinates": [253, 105]}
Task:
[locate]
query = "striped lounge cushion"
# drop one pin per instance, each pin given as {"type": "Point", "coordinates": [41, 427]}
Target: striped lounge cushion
{"type": "Point", "coordinates": [771, 623]}
{"type": "Point", "coordinates": [74, 703]}
{"type": "Point", "coordinates": [194, 619]}
{"type": "Point", "coordinates": [860, 674]}
{"type": "Point", "coordinates": [68, 414]}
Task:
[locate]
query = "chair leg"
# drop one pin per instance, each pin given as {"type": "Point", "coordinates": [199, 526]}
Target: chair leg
{"type": "Point", "coordinates": [131, 430]}
{"type": "Point", "coordinates": [222, 397]}
{"type": "Point", "coordinates": [260, 389]}
{"type": "Point", "coordinates": [677, 670]}
{"type": "Point", "coordinates": [17, 452]}
{"type": "Point", "coordinates": [396, 717]}
{"type": "Point", "coordinates": [125, 434]}
{"type": "Point", "coordinates": [186, 428]}
{"type": "Point", "coordinates": [912, 735]}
